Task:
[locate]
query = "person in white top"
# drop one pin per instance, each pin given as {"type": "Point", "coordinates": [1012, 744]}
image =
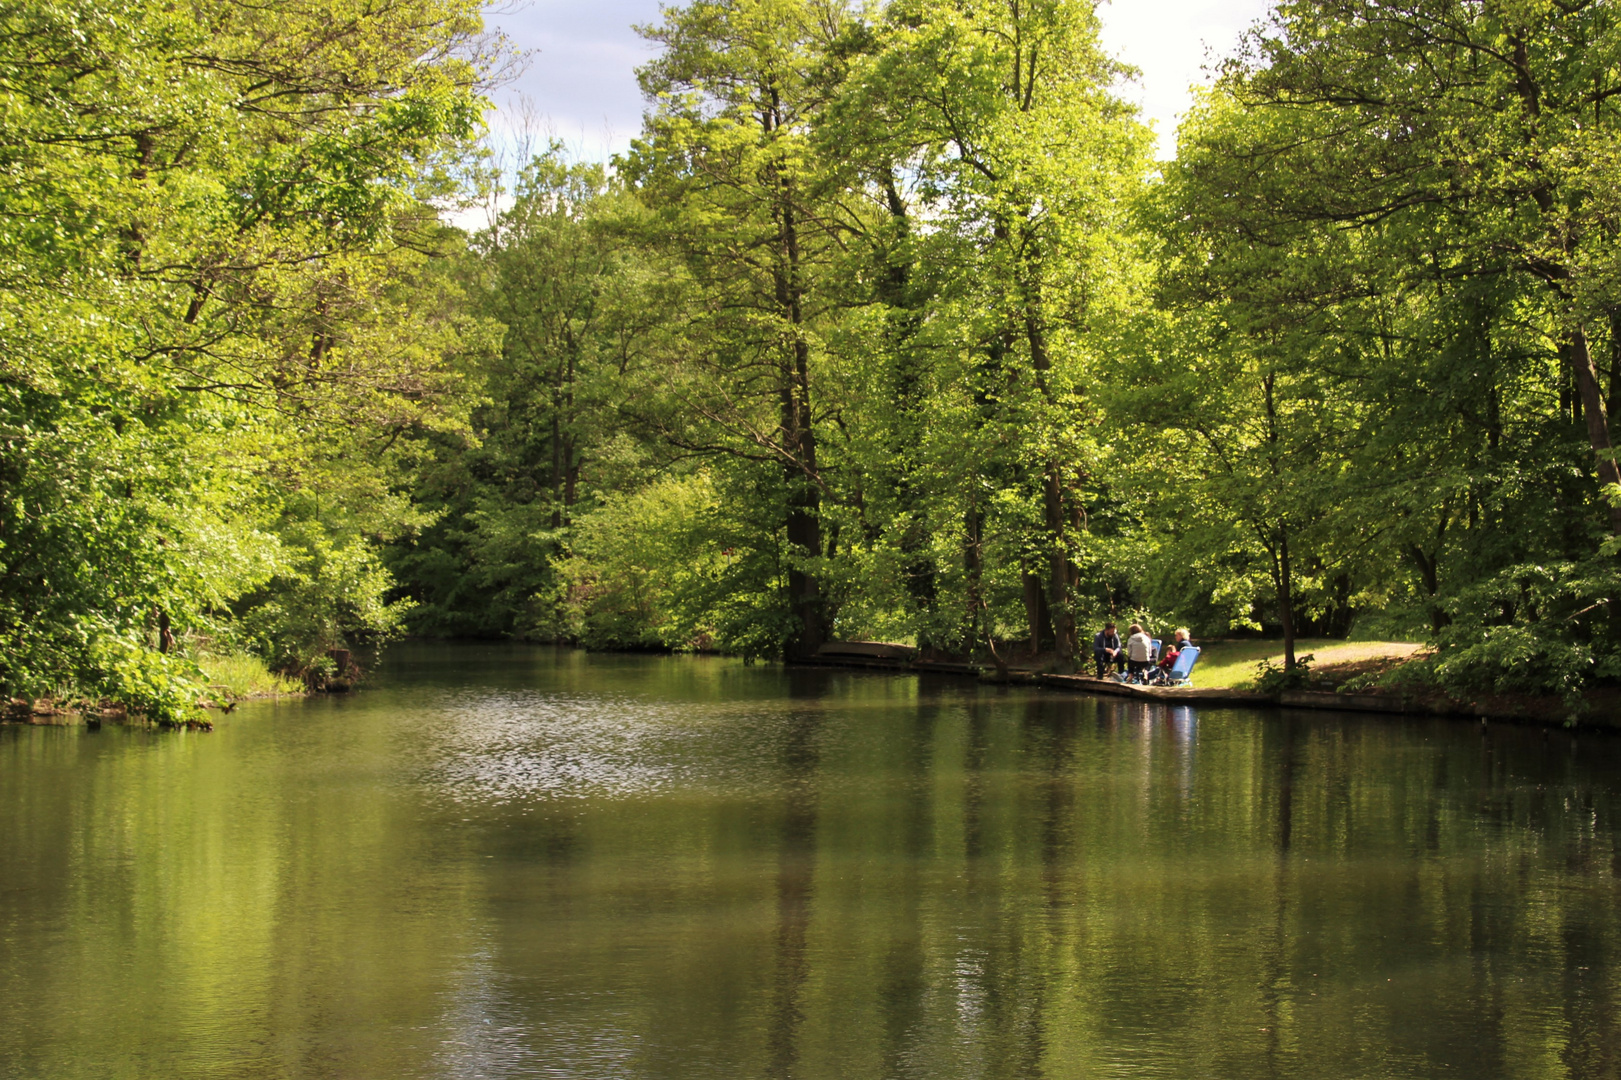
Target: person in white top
{"type": "Point", "coordinates": [1139, 650]}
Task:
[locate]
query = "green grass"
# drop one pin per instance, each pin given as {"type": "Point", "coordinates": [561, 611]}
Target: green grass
{"type": "Point", "coordinates": [242, 675]}
{"type": "Point", "coordinates": [1233, 663]}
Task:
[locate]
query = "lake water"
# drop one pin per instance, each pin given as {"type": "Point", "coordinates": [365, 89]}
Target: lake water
{"type": "Point", "coordinates": [518, 862]}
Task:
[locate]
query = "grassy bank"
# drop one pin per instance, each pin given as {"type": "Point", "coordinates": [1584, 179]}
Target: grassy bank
{"type": "Point", "coordinates": [1228, 664]}
{"type": "Point", "coordinates": [242, 676]}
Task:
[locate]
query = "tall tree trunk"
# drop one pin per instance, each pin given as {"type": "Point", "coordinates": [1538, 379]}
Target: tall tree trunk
{"type": "Point", "coordinates": [1429, 568]}
{"type": "Point", "coordinates": [797, 435]}
{"type": "Point", "coordinates": [1612, 409]}
{"type": "Point", "coordinates": [1282, 570]}
{"type": "Point", "coordinates": [1286, 600]}
{"type": "Point", "coordinates": [1597, 416]}
{"type": "Point", "coordinates": [804, 509]}
{"type": "Point", "coordinates": [799, 439]}
{"type": "Point", "coordinates": [1576, 346]}
{"type": "Point", "coordinates": [571, 481]}
{"type": "Point", "coordinates": [1059, 570]}
{"type": "Point", "coordinates": [571, 461]}
{"type": "Point", "coordinates": [1428, 572]}
{"type": "Point", "coordinates": [907, 367]}
{"type": "Point", "coordinates": [1038, 617]}
{"type": "Point", "coordinates": [555, 481]}
{"type": "Point", "coordinates": [973, 558]}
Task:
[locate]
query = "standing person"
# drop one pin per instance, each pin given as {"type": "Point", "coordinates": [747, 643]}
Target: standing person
{"type": "Point", "coordinates": [1107, 651]}
{"type": "Point", "coordinates": [1139, 651]}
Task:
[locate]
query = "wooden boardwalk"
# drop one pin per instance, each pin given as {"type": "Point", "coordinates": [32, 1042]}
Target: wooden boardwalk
{"type": "Point", "coordinates": [1180, 695]}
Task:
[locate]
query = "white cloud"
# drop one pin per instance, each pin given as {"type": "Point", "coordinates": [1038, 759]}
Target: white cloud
{"type": "Point", "coordinates": [1171, 41]}
{"type": "Point", "coordinates": [581, 72]}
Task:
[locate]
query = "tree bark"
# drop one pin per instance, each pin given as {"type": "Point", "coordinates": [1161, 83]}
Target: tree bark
{"type": "Point", "coordinates": [571, 462]}
{"type": "Point", "coordinates": [1429, 568]}
{"type": "Point", "coordinates": [799, 439]}
{"type": "Point", "coordinates": [907, 367]}
{"type": "Point", "coordinates": [1429, 575]}
{"type": "Point", "coordinates": [1612, 409]}
{"type": "Point", "coordinates": [1282, 570]}
{"type": "Point", "coordinates": [974, 567]}
{"type": "Point", "coordinates": [1594, 412]}
{"type": "Point", "coordinates": [1286, 600]}
{"type": "Point", "coordinates": [804, 507]}
{"type": "Point", "coordinates": [1589, 401]}
{"type": "Point", "coordinates": [1059, 571]}
{"type": "Point", "coordinates": [1038, 617]}
{"type": "Point", "coordinates": [556, 478]}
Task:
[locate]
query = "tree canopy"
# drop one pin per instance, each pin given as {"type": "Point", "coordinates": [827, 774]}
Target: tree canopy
{"type": "Point", "coordinates": [927, 348]}
{"type": "Point", "coordinates": [886, 326]}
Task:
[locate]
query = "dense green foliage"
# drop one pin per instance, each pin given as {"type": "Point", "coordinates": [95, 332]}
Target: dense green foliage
{"type": "Point", "coordinates": [886, 326]}
{"type": "Point", "coordinates": [220, 301]}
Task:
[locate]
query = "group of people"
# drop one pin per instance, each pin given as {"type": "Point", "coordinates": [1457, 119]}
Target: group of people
{"type": "Point", "coordinates": [1135, 657]}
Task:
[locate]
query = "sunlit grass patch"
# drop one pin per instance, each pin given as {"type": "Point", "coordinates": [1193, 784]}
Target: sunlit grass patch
{"type": "Point", "coordinates": [243, 675]}
{"type": "Point", "coordinates": [1233, 663]}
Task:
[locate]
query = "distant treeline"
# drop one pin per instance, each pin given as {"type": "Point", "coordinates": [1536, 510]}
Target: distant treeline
{"type": "Point", "coordinates": [887, 326]}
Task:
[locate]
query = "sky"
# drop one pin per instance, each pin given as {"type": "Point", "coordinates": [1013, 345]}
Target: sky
{"type": "Point", "coordinates": [579, 84]}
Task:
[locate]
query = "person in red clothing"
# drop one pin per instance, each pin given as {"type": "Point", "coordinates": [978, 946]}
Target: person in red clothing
{"type": "Point", "coordinates": [1168, 656]}
{"type": "Point", "coordinates": [1167, 660]}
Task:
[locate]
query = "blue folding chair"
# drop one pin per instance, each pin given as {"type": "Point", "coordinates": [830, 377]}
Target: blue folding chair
{"type": "Point", "coordinates": [1181, 673]}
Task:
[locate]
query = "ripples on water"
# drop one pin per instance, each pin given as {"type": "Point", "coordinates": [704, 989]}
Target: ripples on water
{"type": "Point", "coordinates": [516, 746]}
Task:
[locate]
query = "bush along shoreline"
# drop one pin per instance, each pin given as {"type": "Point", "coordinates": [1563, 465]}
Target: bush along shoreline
{"type": "Point", "coordinates": [185, 691]}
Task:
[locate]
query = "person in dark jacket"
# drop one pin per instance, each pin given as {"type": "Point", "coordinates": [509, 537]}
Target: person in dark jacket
{"type": "Point", "coordinates": [1107, 650]}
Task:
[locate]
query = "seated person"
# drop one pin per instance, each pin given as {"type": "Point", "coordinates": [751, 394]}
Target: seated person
{"type": "Point", "coordinates": [1107, 650]}
{"type": "Point", "coordinates": [1139, 651]}
{"type": "Point", "coordinates": [1182, 639]}
{"type": "Point", "coordinates": [1167, 659]}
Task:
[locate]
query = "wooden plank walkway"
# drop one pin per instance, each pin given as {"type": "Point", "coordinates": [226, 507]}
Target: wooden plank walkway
{"type": "Point", "coordinates": [1181, 695]}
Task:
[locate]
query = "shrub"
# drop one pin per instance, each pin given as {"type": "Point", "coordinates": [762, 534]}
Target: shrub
{"type": "Point", "coordinates": [1533, 628]}
{"type": "Point", "coordinates": [1272, 678]}
{"type": "Point", "coordinates": [333, 596]}
{"type": "Point", "coordinates": [159, 686]}
{"type": "Point", "coordinates": [675, 565]}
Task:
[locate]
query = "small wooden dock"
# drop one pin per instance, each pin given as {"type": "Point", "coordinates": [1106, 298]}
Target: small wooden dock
{"type": "Point", "coordinates": [1177, 695]}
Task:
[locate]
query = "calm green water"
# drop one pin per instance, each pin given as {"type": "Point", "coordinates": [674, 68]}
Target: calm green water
{"type": "Point", "coordinates": [508, 862]}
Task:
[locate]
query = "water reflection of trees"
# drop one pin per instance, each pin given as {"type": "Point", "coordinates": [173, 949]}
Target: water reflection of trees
{"type": "Point", "coordinates": [1010, 886]}
{"type": "Point", "coordinates": [851, 876]}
